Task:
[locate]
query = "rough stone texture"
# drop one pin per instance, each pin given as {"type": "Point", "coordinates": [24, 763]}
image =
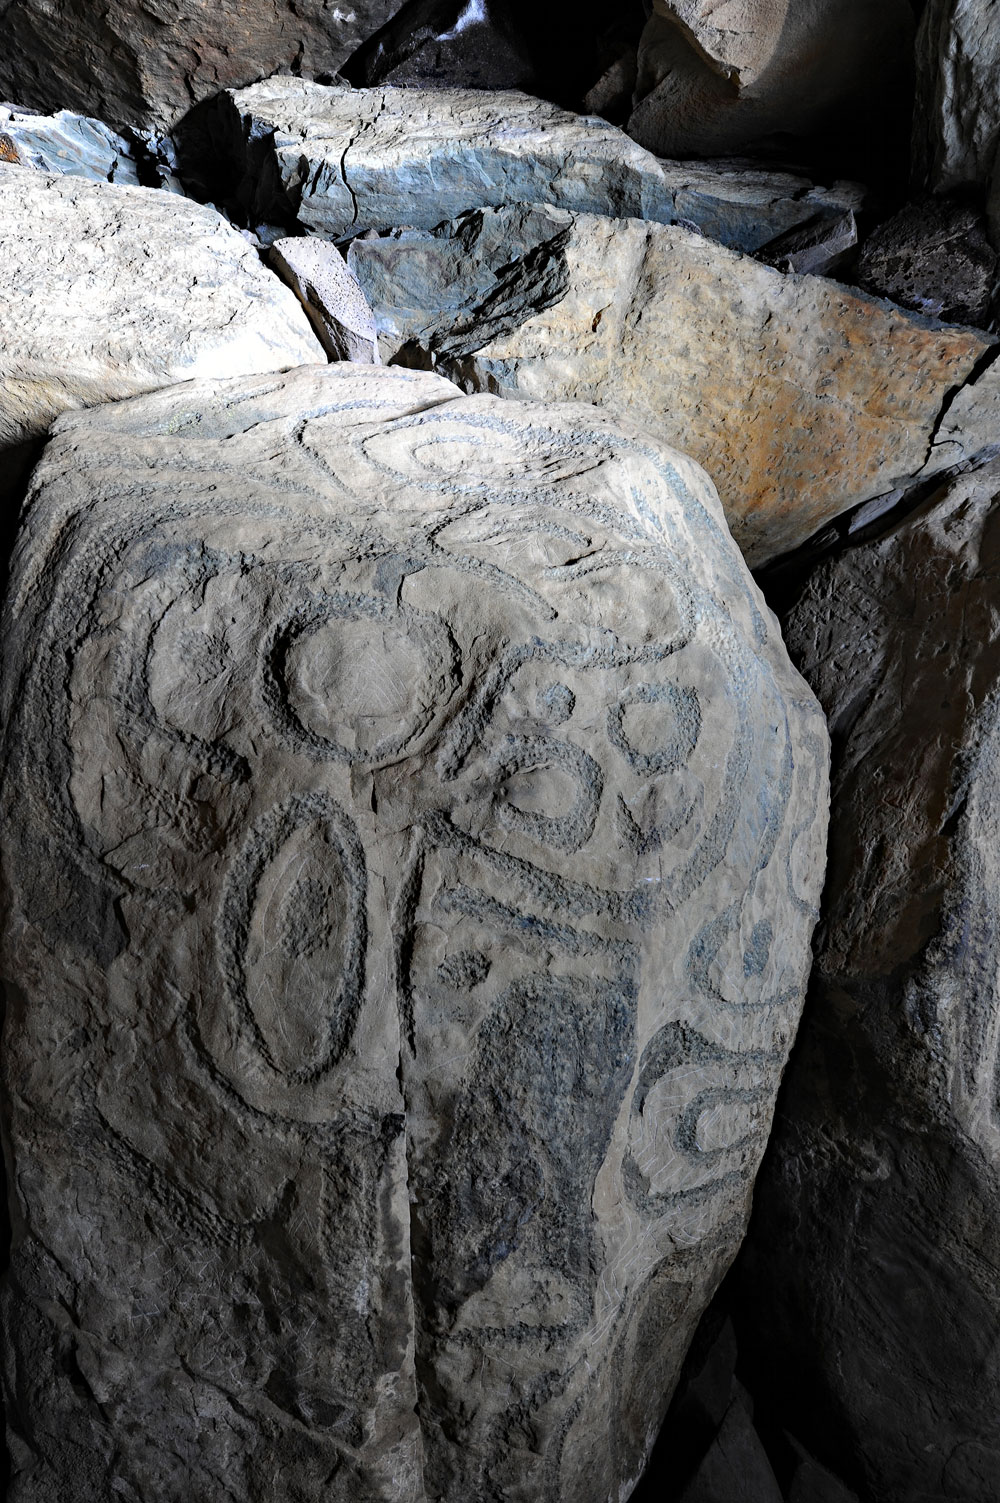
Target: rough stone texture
{"type": "Point", "coordinates": [957, 112]}
{"type": "Point", "coordinates": [111, 291]}
{"type": "Point", "coordinates": [873, 1257]}
{"type": "Point", "coordinates": [147, 64]}
{"type": "Point", "coordinates": [338, 309]}
{"type": "Point", "coordinates": [800, 397]}
{"type": "Point", "coordinates": [716, 78]}
{"type": "Point", "coordinates": [934, 257]}
{"type": "Point", "coordinates": [812, 1483]}
{"type": "Point", "coordinates": [448, 291]}
{"type": "Point", "coordinates": [413, 827]}
{"type": "Point", "coordinates": [345, 162]}
{"type": "Point", "coordinates": [66, 143]}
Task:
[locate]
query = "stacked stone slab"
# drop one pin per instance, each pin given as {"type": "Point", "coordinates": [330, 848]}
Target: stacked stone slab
{"type": "Point", "coordinates": [412, 835]}
{"type": "Point", "coordinates": [342, 162]}
{"type": "Point", "coordinates": [800, 397]}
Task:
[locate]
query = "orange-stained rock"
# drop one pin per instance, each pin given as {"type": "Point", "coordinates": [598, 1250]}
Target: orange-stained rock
{"type": "Point", "coordinates": [800, 397]}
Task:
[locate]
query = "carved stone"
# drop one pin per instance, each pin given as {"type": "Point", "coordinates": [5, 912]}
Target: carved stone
{"type": "Point", "coordinates": [413, 828]}
{"type": "Point", "coordinates": [111, 291]}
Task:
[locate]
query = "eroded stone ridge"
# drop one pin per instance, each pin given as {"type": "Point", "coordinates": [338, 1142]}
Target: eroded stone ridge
{"type": "Point", "coordinates": [412, 835]}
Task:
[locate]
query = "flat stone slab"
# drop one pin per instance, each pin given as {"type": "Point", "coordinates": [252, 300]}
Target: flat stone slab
{"type": "Point", "coordinates": [801, 398]}
{"type": "Point", "coordinates": [110, 291]}
{"type": "Point", "coordinates": [413, 830]}
{"type": "Point", "coordinates": [352, 160]}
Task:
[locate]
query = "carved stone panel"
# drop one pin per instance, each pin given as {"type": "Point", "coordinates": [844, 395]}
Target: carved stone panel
{"type": "Point", "coordinates": [413, 830]}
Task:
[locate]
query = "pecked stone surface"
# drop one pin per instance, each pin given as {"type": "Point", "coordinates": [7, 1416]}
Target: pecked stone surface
{"type": "Point", "coordinates": [873, 1256]}
{"type": "Point", "coordinates": [800, 397]}
{"type": "Point", "coordinates": [345, 161]}
{"type": "Point", "coordinates": [412, 835]}
{"type": "Point", "coordinates": [317, 274]}
{"type": "Point", "coordinates": [110, 291]}
{"type": "Point", "coordinates": [147, 64]}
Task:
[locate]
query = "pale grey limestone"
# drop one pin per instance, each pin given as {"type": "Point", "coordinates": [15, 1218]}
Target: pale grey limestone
{"type": "Point", "coordinates": [67, 143]}
{"type": "Point", "coordinates": [110, 291]}
{"type": "Point", "coordinates": [412, 834]}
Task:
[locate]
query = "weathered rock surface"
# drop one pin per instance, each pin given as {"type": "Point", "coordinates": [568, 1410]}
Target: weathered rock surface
{"type": "Point", "coordinates": [68, 143]}
{"type": "Point", "coordinates": [800, 397]}
{"type": "Point", "coordinates": [873, 1259]}
{"type": "Point", "coordinates": [345, 161]}
{"type": "Point", "coordinates": [146, 65]}
{"type": "Point", "coordinates": [970, 423]}
{"type": "Point", "coordinates": [413, 827]}
{"type": "Point", "coordinates": [933, 256]}
{"type": "Point", "coordinates": [717, 78]}
{"type": "Point", "coordinates": [111, 291]}
{"type": "Point", "coordinates": [957, 113]}
{"type": "Point", "coordinates": [318, 275]}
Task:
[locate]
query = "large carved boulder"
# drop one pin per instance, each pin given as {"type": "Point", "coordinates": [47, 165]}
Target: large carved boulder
{"type": "Point", "coordinates": [873, 1259]}
{"type": "Point", "coordinates": [147, 64]}
{"type": "Point", "coordinates": [110, 291]}
{"type": "Point", "coordinates": [413, 828]}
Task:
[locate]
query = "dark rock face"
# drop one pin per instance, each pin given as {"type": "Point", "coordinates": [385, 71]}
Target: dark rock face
{"type": "Point", "coordinates": [769, 76]}
{"type": "Point", "coordinates": [557, 50]}
{"type": "Point", "coordinates": [956, 119]}
{"type": "Point", "coordinates": [872, 1269]}
{"type": "Point", "coordinates": [934, 257]}
{"type": "Point", "coordinates": [146, 65]}
{"type": "Point", "coordinates": [412, 831]}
